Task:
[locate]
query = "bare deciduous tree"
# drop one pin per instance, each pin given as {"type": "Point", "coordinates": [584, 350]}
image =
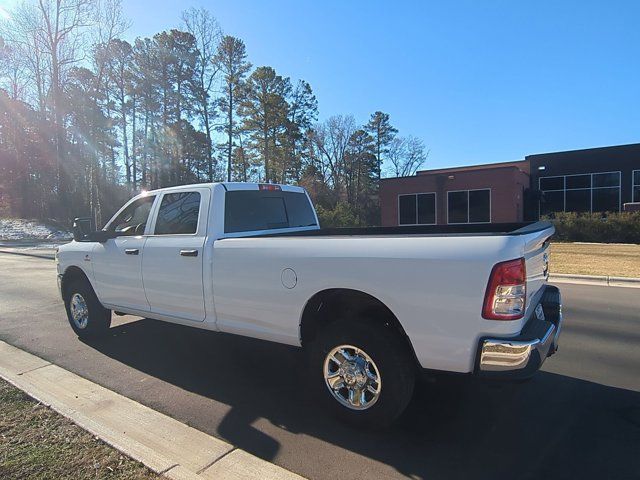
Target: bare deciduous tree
{"type": "Point", "coordinates": [330, 140]}
{"type": "Point", "coordinates": [406, 155]}
{"type": "Point", "coordinates": [13, 71]}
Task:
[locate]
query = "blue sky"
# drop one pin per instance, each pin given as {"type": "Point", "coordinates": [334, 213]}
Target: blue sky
{"type": "Point", "coordinates": [478, 81]}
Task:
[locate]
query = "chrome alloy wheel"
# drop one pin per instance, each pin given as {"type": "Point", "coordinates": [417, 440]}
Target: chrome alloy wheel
{"type": "Point", "coordinates": [79, 310]}
{"type": "Point", "coordinates": [352, 377]}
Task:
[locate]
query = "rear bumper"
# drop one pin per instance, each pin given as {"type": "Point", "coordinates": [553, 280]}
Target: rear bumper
{"type": "Point", "coordinates": [521, 356]}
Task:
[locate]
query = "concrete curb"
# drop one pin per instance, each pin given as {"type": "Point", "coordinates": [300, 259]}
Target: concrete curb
{"type": "Point", "coordinates": [602, 280]}
{"type": "Point", "coordinates": [163, 444]}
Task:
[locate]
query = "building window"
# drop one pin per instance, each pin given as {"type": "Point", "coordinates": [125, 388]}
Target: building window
{"type": "Point", "coordinates": [586, 192]}
{"type": "Point", "coordinates": [636, 186]}
{"type": "Point", "coordinates": [417, 209]}
{"type": "Point", "coordinates": [469, 206]}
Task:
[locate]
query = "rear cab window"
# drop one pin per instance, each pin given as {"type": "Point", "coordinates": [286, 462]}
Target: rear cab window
{"type": "Point", "coordinates": [258, 210]}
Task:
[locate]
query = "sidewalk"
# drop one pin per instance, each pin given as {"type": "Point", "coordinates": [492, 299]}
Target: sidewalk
{"type": "Point", "coordinates": [163, 444]}
{"type": "Point", "coordinates": [602, 280]}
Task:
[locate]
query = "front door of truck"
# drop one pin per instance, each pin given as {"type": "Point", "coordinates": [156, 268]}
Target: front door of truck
{"type": "Point", "coordinates": [172, 264]}
{"type": "Point", "coordinates": [117, 263]}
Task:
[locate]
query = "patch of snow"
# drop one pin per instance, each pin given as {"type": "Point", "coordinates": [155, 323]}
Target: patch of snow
{"type": "Point", "coordinates": [21, 229]}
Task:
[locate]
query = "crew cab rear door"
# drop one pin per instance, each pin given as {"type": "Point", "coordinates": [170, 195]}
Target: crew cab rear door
{"type": "Point", "coordinates": [172, 263]}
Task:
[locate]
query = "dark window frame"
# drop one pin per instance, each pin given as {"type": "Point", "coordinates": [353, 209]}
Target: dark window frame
{"type": "Point", "coordinates": [468, 206]}
{"type": "Point", "coordinates": [591, 189]}
{"type": "Point", "coordinates": [635, 185]}
{"type": "Point", "coordinates": [417, 213]}
{"type": "Point", "coordinates": [552, 177]}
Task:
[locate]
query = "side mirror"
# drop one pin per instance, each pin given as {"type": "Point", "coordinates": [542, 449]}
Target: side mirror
{"type": "Point", "coordinates": [82, 227]}
{"type": "Point", "coordinates": [84, 231]}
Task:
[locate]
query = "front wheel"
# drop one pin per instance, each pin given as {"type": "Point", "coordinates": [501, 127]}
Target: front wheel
{"type": "Point", "coordinates": [86, 315]}
{"type": "Point", "coordinates": [362, 372]}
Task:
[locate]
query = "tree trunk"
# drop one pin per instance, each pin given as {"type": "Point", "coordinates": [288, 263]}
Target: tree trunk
{"type": "Point", "coordinates": [58, 133]}
{"type": "Point", "coordinates": [133, 141]}
{"type": "Point", "coordinates": [125, 141]}
{"type": "Point", "coordinates": [230, 133]}
{"type": "Point", "coordinates": [378, 157]}
{"type": "Point", "coordinates": [145, 152]}
{"type": "Point", "coordinates": [207, 128]}
{"type": "Point", "coordinates": [243, 160]}
{"type": "Point", "coordinates": [265, 139]}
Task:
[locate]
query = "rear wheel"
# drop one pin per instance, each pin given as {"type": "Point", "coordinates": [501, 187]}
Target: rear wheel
{"type": "Point", "coordinates": [362, 372]}
{"type": "Point", "coordinates": [86, 315]}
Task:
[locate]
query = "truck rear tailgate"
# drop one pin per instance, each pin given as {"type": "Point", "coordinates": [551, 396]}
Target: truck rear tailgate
{"type": "Point", "coordinates": [536, 255]}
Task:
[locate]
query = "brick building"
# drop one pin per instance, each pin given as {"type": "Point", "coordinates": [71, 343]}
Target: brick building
{"type": "Point", "coordinates": [476, 194]}
{"type": "Point", "coordinates": [590, 180]}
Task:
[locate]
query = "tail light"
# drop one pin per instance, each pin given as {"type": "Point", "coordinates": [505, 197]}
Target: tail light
{"type": "Point", "coordinates": [506, 295]}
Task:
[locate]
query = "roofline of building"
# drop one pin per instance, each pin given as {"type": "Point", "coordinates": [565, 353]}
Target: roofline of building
{"type": "Point", "coordinates": [589, 149]}
{"type": "Point", "coordinates": [509, 164]}
{"type": "Point", "coordinates": [482, 166]}
{"type": "Point", "coordinates": [445, 171]}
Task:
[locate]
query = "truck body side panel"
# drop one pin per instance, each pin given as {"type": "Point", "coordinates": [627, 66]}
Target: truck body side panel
{"type": "Point", "coordinates": [434, 285]}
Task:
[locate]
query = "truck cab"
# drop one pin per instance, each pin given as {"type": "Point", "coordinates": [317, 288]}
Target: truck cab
{"type": "Point", "coordinates": [173, 230]}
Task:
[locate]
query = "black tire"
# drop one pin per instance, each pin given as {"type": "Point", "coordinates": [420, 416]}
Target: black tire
{"type": "Point", "coordinates": [391, 356]}
{"type": "Point", "coordinates": [99, 318]}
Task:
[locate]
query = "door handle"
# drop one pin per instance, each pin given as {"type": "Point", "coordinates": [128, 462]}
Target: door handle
{"type": "Point", "coordinates": [131, 251]}
{"type": "Point", "coordinates": [189, 253]}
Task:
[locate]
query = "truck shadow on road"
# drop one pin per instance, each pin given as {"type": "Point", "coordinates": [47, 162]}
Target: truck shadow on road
{"type": "Point", "coordinates": [553, 426]}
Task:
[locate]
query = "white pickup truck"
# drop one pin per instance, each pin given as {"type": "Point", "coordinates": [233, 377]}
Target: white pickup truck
{"type": "Point", "coordinates": [372, 306]}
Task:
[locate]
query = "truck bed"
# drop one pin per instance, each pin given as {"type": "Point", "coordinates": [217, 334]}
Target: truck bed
{"type": "Point", "coordinates": [481, 229]}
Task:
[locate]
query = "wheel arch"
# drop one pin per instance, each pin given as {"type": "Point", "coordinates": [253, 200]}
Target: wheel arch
{"type": "Point", "coordinates": [73, 272]}
{"type": "Point", "coordinates": [326, 306]}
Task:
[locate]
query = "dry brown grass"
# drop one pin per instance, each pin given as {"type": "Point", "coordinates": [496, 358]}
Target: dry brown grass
{"type": "Point", "coordinates": [38, 443]}
{"type": "Point", "coordinates": [618, 260]}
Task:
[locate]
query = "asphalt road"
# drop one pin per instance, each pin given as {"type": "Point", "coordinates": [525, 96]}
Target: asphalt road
{"type": "Point", "coordinates": [578, 418]}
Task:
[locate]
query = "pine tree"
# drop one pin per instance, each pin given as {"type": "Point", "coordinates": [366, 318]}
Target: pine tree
{"type": "Point", "coordinates": [361, 174]}
{"type": "Point", "coordinates": [303, 111]}
{"type": "Point", "coordinates": [175, 56]}
{"type": "Point", "coordinates": [205, 29]}
{"type": "Point", "coordinates": [231, 60]}
{"type": "Point", "coordinates": [119, 58]}
{"type": "Point", "coordinates": [383, 133]}
{"type": "Point", "coordinates": [264, 109]}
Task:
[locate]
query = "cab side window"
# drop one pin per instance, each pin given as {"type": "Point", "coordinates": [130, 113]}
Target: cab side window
{"type": "Point", "coordinates": [178, 214]}
{"type": "Point", "coordinates": [133, 219]}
